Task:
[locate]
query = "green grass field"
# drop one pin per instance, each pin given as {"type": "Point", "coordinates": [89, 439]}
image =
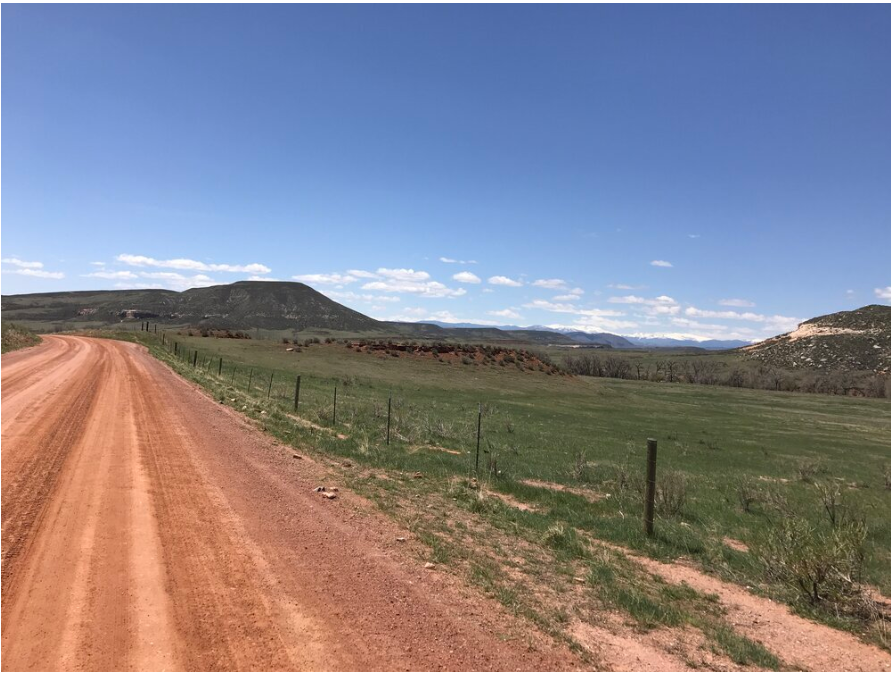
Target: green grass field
{"type": "Point", "coordinates": [717, 447]}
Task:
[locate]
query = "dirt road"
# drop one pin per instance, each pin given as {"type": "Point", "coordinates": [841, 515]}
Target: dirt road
{"type": "Point", "coordinates": [147, 527]}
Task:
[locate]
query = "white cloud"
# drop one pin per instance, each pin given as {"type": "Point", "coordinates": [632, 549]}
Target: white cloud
{"type": "Point", "coordinates": [422, 288]}
{"type": "Point", "coordinates": [449, 260]}
{"type": "Point", "coordinates": [191, 265]}
{"type": "Point", "coordinates": [565, 298]}
{"type": "Point", "coordinates": [661, 263]}
{"type": "Point", "coordinates": [112, 274]}
{"type": "Point", "coordinates": [22, 264]}
{"type": "Point", "coordinates": [358, 273]}
{"type": "Point", "coordinates": [263, 278]}
{"type": "Point", "coordinates": [360, 297]}
{"type": "Point", "coordinates": [36, 273]}
{"type": "Point", "coordinates": [625, 286]}
{"type": "Point", "coordinates": [505, 313]}
{"type": "Point", "coordinates": [774, 323]}
{"type": "Point", "coordinates": [661, 301]}
{"type": "Point", "coordinates": [693, 236]}
{"type": "Point", "coordinates": [325, 279]}
{"type": "Point", "coordinates": [403, 274]}
{"type": "Point", "coordinates": [504, 281]}
{"type": "Point", "coordinates": [551, 283]}
{"type": "Point", "coordinates": [884, 293]}
{"type": "Point", "coordinates": [466, 277]}
{"type": "Point", "coordinates": [98, 264]}
{"type": "Point", "coordinates": [571, 309]}
{"type": "Point", "coordinates": [576, 291]}
{"type": "Point", "coordinates": [736, 303]}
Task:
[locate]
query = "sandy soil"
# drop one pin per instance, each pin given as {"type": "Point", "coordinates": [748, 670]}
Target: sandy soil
{"type": "Point", "coordinates": [147, 527]}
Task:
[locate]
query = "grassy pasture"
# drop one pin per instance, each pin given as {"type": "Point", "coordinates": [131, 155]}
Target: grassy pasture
{"type": "Point", "coordinates": [586, 435]}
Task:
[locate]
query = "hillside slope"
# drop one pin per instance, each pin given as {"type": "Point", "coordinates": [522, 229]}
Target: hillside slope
{"type": "Point", "coordinates": [245, 304]}
{"type": "Point", "coordinates": [858, 340]}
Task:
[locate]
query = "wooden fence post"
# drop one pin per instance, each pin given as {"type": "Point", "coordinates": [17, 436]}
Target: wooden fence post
{"type": "Point", "coordinates": [389, 406]}
{"type": "Point", "coordinates": [334, 414]}
{"type": "Point", "coordinates": [269, 392]}
{"type": "Point", "coordinates": [650, 497]}
{"type": "Point", "coordinates": [479, 428]}
{"type": "Point", "coordinates": [297, 393]}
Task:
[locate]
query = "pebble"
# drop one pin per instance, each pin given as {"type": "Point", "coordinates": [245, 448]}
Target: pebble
{"type": "Point", "coordinates": [429, 565]}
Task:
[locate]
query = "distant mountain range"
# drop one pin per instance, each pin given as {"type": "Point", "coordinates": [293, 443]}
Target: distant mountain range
{"type": "Point", "coordinates": [615, 341]}
{"type": "Point", "coordinates": [858, 339]}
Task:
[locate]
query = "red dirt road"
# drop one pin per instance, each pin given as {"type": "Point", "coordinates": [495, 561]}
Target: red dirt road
{"type": "Point", "coordinates": [147, 527]}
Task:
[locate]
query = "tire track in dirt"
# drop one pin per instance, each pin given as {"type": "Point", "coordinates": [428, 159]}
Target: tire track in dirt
{"type": "Point", "coordinates": [33, 460]}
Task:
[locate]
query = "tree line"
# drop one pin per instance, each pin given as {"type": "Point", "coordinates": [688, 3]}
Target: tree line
{"type": "Point", "coordinates": [710, 372]}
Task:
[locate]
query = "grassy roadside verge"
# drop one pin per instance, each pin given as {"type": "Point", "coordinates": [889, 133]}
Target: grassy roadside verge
{"type": "Point", "coordinates": [529, 558]}
{"type": "Point", "coordinates": [17, 337]}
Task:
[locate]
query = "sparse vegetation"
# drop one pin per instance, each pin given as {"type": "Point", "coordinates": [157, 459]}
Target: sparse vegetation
{"type": "Point", "coordinates": [17, 337]}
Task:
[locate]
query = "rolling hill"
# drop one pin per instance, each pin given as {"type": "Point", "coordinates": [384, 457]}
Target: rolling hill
{"type": "Point", "coordinates": [858, 340]}
{"type": "Point", "coordinates": [241, 305]}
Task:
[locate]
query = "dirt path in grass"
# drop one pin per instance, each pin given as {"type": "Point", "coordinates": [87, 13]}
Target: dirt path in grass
{"type": "Point", "coordinates": [795, 640]}
{"type": "Point", "coordinates": [147, 527]}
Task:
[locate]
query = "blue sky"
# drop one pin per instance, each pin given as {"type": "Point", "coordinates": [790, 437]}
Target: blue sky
{"type": "Point", "coordinates": [705, 171]}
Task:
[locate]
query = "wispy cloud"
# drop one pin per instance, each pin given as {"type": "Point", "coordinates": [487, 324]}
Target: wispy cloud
{"type": "Point", "coordinates": [550, 283]}
{"type": "Point", "coordinates": [359, 273]}
{"type": "Point", "coordinates": [403, 274]}
{"type": "Point", "coordinates": [191, 265]}
{"type": "Point", "coordinates": [112, 275]}
{"type": "Point", "coordinates": [884, 293]}
{"type": "Point", "coordinates": [504, 281]}
{"type": "Point", "coordinates": [420, 288]}
{"type": "Point", "coordinates": [693, 236]}
{"type": "Point", "coordinates": [655, 306]}
{"type": "Point", "coordinates": [566, 298]}
{"type": "Point", "coordinates": [625, 286]}
{"type": "Point", "coordinates": [32, 269]}
{"type": "Point", "coordinates": [661, 263]}
{"type": "Point", "coordinates": [450, 260]}
{"type": "Point", "coordinates": [22, 264]}
{"type": "Point", "coordinates": [35, 273]}
{"type": "Point", "coordinates": [348, 295]}
{"type": "Point", "coordinates": [466, 277]}
{"type": "Point", "coordinates": [563, 308]}
{"type": "Point", "coordinates": [505, 313]}
{"type": "Point", "coordinates": [771, 323]}
{"type": "Point", "coordinates": [326, 279]}
{"type": "Point", "coordinates": [736, 303]}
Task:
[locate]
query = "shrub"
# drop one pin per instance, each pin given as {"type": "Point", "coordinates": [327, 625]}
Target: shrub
{"type": "Point", "coordinates": [808, 469]}
{"type": "Point", "coordinates": [671, 493]}
{"type": "Point", "coordinates": [822, 567]}
{"type": "Point", "coordinates": [831, 497]}
{"type": "Point", "coordinates": [581, 469]}
{"type": "Point", "coordinates": [747, 494]}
